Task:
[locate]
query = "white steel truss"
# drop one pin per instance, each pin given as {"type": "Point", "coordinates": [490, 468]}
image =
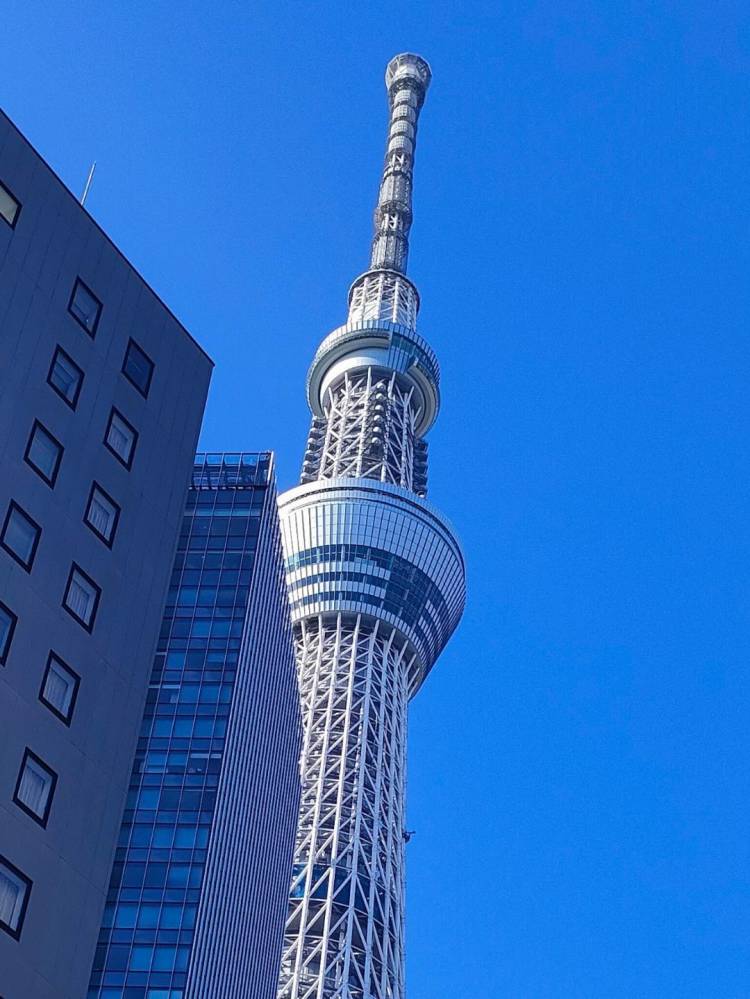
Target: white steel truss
{"type": "Point", "coordinates": [367, 432]}
{"type": "Point", "coordinates": [383, 295]}
{"type": "Point", "coordinates": [344, 935]}
{"type": "Point", "coordinates": [376, 586]}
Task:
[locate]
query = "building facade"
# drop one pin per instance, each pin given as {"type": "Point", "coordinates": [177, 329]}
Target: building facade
{"type": "Point", "coordinates": [376, 586]}
{"type": "Point", "coordinates": [197, 900]}
{"type": "Point", "coordinates": [101, 397]}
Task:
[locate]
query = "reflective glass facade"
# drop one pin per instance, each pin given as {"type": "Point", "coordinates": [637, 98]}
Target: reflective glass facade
{"type": "Point", "coordinates": [224, 656]}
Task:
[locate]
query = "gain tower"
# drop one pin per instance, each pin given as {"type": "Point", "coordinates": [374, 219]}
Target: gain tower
{"type": "Point", "coordinates": [376, 584]}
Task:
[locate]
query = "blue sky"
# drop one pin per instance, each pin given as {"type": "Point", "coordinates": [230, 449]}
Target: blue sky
{"type": "Point", "coordinates": [578, 761]}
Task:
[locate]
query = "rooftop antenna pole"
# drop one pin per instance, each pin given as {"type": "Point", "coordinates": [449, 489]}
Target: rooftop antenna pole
{"type": "Point", "coordinates": [88, 183]}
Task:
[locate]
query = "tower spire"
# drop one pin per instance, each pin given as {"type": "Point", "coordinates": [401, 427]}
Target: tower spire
{"type": "Point", "coordinates": [407, 79]}
{"type": "Point", "coordinates": [376, 586]}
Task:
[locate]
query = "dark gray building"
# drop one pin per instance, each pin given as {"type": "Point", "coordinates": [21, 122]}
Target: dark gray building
{"type": "Point", "coordinates": [198, 895]}
{"type": "Point", "coordinates": [101, 397]}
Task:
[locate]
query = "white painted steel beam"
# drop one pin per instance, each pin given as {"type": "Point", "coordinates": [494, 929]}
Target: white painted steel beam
{"type": "Point", "coordinates": [376, 583]}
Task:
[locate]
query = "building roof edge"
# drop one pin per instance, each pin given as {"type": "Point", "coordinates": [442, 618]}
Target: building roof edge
{"type": "Point", "coordinates": [109, 239]}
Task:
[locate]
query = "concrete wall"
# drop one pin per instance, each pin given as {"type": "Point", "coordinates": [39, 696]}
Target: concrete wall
{"type": "Point", "coordinates": [53, 243]}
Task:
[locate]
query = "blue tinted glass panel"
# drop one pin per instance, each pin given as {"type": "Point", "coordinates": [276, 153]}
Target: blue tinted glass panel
{"type": "Point", "coordinates": [157, 881]}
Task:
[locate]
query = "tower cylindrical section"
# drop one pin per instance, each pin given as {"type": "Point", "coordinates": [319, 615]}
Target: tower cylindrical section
{"type": "Point", "coordinates": [376, 587]}
{"type": "Point", "coordinates": [362, 547]}
{"type": "Point", "coordinates": [407, 79]}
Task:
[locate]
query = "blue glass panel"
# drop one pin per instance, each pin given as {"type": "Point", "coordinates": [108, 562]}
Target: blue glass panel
{"type": "Point", "coordinates": [148, 917]}
{"type": "Point", "coordinates": [140, 958]}
{"type": "Point", "coordinates": [155, 886]}
{"type": "Point", "coordinates": [126, 915]}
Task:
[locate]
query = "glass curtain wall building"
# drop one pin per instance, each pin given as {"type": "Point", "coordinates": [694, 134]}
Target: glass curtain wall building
{"type": "Point", "coordinates": [197, 897]}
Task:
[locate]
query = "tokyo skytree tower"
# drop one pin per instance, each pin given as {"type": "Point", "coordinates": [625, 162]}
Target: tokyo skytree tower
{"type": "Point", "coordinates": [376, 585]}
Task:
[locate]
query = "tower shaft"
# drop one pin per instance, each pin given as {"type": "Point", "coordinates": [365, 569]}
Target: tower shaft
{"type": "Point", "coordinates": [407, 79]}
{"type": "Point", "coordinates": [376, 586]}
{"type": "Point", "coordinates": [368, 431]}
{"type": "Point", "coordinates": [345, 930]}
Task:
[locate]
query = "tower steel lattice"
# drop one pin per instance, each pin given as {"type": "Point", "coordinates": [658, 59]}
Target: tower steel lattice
{"type": "Point", "coordinates": [376, 584]}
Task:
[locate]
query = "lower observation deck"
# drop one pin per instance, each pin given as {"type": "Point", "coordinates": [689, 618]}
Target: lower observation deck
{"type": "Point", "coordinates": [360, 546]}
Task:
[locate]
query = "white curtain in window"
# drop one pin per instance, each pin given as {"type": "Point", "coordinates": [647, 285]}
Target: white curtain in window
{"type": "Point", "coordinates": [43, 452]}
{"type": "Point", "coordinates": [100, 515]}
{"type": "Point", "coordinates": [57, 689]}
{"type": "Point", "coordinates": [79, 599]}
{"type": "Point", "coordinates": [11, 899]}
{"type": "Point", "coordinates": [85, 306]}
{"type": "Point", "coordinates": [118, 439]}
{"type": "Point", "coordinates": [34, 788]}
{"type": "Point", "coordinates": [20, 535]}
{"type": "Point", "coordinates": [65, 378]}
{"type": "Point", "coordinates": [64, 373]}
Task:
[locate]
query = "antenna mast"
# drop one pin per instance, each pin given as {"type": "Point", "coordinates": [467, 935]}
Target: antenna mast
{"type": "Point", "coordinates": [88, 183]}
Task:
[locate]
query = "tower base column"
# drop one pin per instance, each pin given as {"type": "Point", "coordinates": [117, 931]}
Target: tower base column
{"type": "Point", "coordinates": [344, 934]}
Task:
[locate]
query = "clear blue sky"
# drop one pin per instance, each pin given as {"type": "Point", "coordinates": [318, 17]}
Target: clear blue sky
{"type": "Point", "coordinates": [579, 758]}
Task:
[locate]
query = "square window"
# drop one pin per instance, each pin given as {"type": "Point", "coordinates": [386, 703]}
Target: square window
{"type": "Point", "coordinates": [20, 536]}
{"type": "Point", "coordinates": [82, 597]}
{"type": "Point", "coordinates": [121, 438]}
{"type": "Point", "coordinates": [126, 916]}
{"type": "Point", "coordinates": [85, 307]}
{"type": "Point", "coordinates": [44, 453]}
{"type": "Point", "coordinates": [10, 207]}
{"type": "Point", "coordinates": [65, 377]}
{"type": "Point", "coordinates": [15, 889]}
{"type": "Point", "coordinates": [102, 514]}
{"type": "Point", "coordinates": [140, 958]}
{"type": "Point", "coordinates": [7, 627]}
{"type": "Point", "coordinates": [35, 787]}
{"type": "Point", "coordinates": [138, 368]}
{"type": "Point", "coordinates": [59, 688]}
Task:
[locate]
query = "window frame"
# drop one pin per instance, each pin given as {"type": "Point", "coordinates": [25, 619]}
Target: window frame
{"type": "Point", "coordinates": [17, 558]}
{"type": "Point", "coordinates": [75, 568]}
{"type": "Point", "coordinates": [96, 487]}
{"type": "Point", "coordinates": [68, 402]}
{"type": "Point", "coordinates": [126, 464]}
{"type": "Point", "coordinates": [29, 884]}
{"type": "Point", "coordinates": [67, 719]}
{"type": "Point", "coordinates": [143, 392]}
{"type": "Point", "coordinates": [38, 425]}
{"type": "Point", "coordinates": [13, 622]}
{"type": "Point", "coordinates": [44, 818]}
{"type": "Point", "coordinates": [90, 332]}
